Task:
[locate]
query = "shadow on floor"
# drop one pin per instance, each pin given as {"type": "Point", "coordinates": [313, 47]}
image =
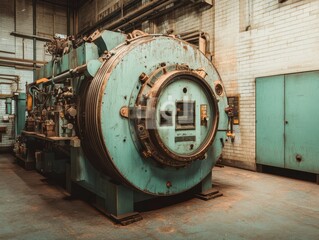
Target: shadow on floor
{"type": "Point", "coordinates": [305, 176]}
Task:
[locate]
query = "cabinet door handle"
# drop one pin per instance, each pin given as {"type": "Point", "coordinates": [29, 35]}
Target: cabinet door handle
{"type": "Point", "coordinates": [286, 122]}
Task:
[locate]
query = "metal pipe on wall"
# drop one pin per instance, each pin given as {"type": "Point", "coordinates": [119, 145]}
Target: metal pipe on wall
{"type": "Point", "coordinates": [75, 17]}
{"type": "Point", "coordinates": [5, 96]}
{"type": "Point", "coordinates": [16, 66]}
{"type": "Point", "coordinates": [30, 36]}
{"type": "Point", "coordinates": [5, 83]}
{"type": "Point", "coordinates": [68, 18]}
{"type": "Point", "coordinates": [9, 75]}
{"type": "Point", "coordinates": [21, 60]}
{"type": "Point", "coordinates": [129, 16]}
{"type": "Point", "coordinates": [12, 78]}
{"type": "Point", "coordinates": [144, 15]}
{"type": "Point", "coordinates": [15, 22]}
{"type": "Point", "coordinates": [7, 52]}
{"type": "Point", "coordinates": [168, 10]}
{"type": "Point", "coordinates": [34, 12]}
{"type": "Point", "coordinates": [151, 6]}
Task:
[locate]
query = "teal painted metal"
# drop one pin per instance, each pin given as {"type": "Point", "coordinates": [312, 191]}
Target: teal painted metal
{"type": "Point", "coordinates": [301, 130]}
{"type": "Point", "coordinates": [8, 106]}
{"type": "Point", "coordinates": [116, 199]}
{"type": "Point", "coordinates": [186, 91]}
{"type": "Point", "coordinates": [109, 40]}
{"type": "Point", "coordinates": [270, 121]}
{"type": "Point", "coordinates": [286, 127]}
{"type": "Point", "coordinates": [93, 66]}
{"type": "Point", "coordinates": [115, 153]}
{"type": "Point", "coordinates": [20, 112]}
{"type": "Point", "coordinates": [83, 55]}
{"type": "Point", "coordinates": [140, 172]}
{"type": "Point", "coordinates": [77, 57]}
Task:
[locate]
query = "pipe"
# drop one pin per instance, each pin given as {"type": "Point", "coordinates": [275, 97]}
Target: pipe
{"type": "Point", "coordinates": [55, 3]}
{"type": "Point", "coordinates": [22, 60]}
{"type": "Point", "coordinates": [110, 17]}
{"type": "Point", "coordinates": [147, 13]}
{"type": "Point", "coordinates": [15, 22]}
{"type": "Point", "coordinates": [10, 75]}
{"type": "Point", "coordinates": [71, 73]}
{"type": "Point", "coordinates": [34, 13]}
{"type": "Point", "coordinates": [191, 39]}
{"type": "Point", "coordinates": [23, 48]}
{"type": "Point", "coordinates": [51, 81]}
{"type": "Point", "coordinates": [16, 79]}
{"type": "Point", "coordinates": [194, 35]}
{"type": "Point", "coordinates": [167, 10]}
{"type": "Point", "coordinates": [189, 33]}
{"type": "Point", "coordinates": [75, 18]}
{"type": "Point", "coordinates": [5, 96]}
{"type": "Point", "coordinates": [30, 36]}
{"type": "Point", "coordinates": [15, 15]}
{"type": "Point", "coordinates": [7, 52]}
{"type": "Point", "coordinates": [5, 83]}
{"type": "Point", "coordinates": [15, 63]}
{"type": "Point", "coordinates": [29, 101]}
{"type": "Point", "coordinates": [207, 39]}
{"type": "Point", "coordinates": [141, 11]}
{"type": "Point", "coordinates": [61, 77]}
{"type": "Point", "coordinates": [16, 66]}
{"type": "Point", "coordinates": [68, 18]}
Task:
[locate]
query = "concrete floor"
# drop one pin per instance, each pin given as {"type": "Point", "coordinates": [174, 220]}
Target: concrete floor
{"type": "Point", "coordinates": [254, 206]}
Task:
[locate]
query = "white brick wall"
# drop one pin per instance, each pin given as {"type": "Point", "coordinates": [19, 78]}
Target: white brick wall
{"type": "Point", "coordinates": [6, 24]}
{"type": "Point", "coordinates": [283, 38]}
{"type": "Point", "coordinates": [185, 19]}
{"type": "Point", "coordinates": [50, 19]}
{"type": "Point", "coordinates": [26, 76]}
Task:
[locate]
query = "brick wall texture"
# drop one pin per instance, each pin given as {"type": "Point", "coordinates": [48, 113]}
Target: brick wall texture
{"type": "Point", "coordinates": [250, 39]}
{"type": "Point", "coordinates": [255, 38]}
{"type": "Point", "coordinates": [50, 20]}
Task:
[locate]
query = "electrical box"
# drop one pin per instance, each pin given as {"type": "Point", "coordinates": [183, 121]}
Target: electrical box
{"type": "Point", "coordinates": [234, 103]}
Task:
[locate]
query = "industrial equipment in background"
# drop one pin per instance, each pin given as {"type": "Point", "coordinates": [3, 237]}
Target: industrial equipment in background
{"type": "Point", "coordinates": [126, 117]}
{"type": "Point", "coordinates": [12, 117]}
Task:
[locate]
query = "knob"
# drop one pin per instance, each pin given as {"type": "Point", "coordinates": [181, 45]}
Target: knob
{"type": "Point", "coordinates": [298, 158]}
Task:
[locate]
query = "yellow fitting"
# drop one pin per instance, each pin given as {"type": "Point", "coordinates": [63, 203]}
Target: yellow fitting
{"type": "Point", "coordinates": [231, 135]}
{"type": "Point", "coordinates": [29, 102]}
{"type": "Point", "coordinates": [41, 80]}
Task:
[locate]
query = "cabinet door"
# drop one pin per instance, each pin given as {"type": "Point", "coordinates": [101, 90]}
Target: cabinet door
{"type": "Point", "coordinates": [270, 121]}
{"type": "Point", "coordinates": [302, 119]}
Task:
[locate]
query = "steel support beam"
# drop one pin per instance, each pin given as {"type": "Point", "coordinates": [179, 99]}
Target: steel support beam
{"type": "Point", "coordinates": [34, 13]}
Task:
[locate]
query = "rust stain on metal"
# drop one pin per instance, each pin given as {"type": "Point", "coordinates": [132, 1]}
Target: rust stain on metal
{"type": "Point", "coordinates": [143, 77]}
{"type": "Point", "coordinates": [167, 229]}
{"type": "Point", "coordinates": [201, 72]}
{"type": "Point", "coordinates": [124, 112]}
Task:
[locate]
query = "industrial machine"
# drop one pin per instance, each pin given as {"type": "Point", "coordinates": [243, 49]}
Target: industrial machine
{"type": "Point", "coordinates": [14, 102]}
{"type": "Point", "coordinates": [126, 117]}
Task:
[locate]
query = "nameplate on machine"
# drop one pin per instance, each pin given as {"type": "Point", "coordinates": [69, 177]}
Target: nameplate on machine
{"type": "Point", "coordinates": [185, 139]}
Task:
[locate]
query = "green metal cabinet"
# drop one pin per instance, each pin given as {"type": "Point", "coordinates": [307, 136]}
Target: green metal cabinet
{"type": "Point", "coordinates": [286, 121]}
